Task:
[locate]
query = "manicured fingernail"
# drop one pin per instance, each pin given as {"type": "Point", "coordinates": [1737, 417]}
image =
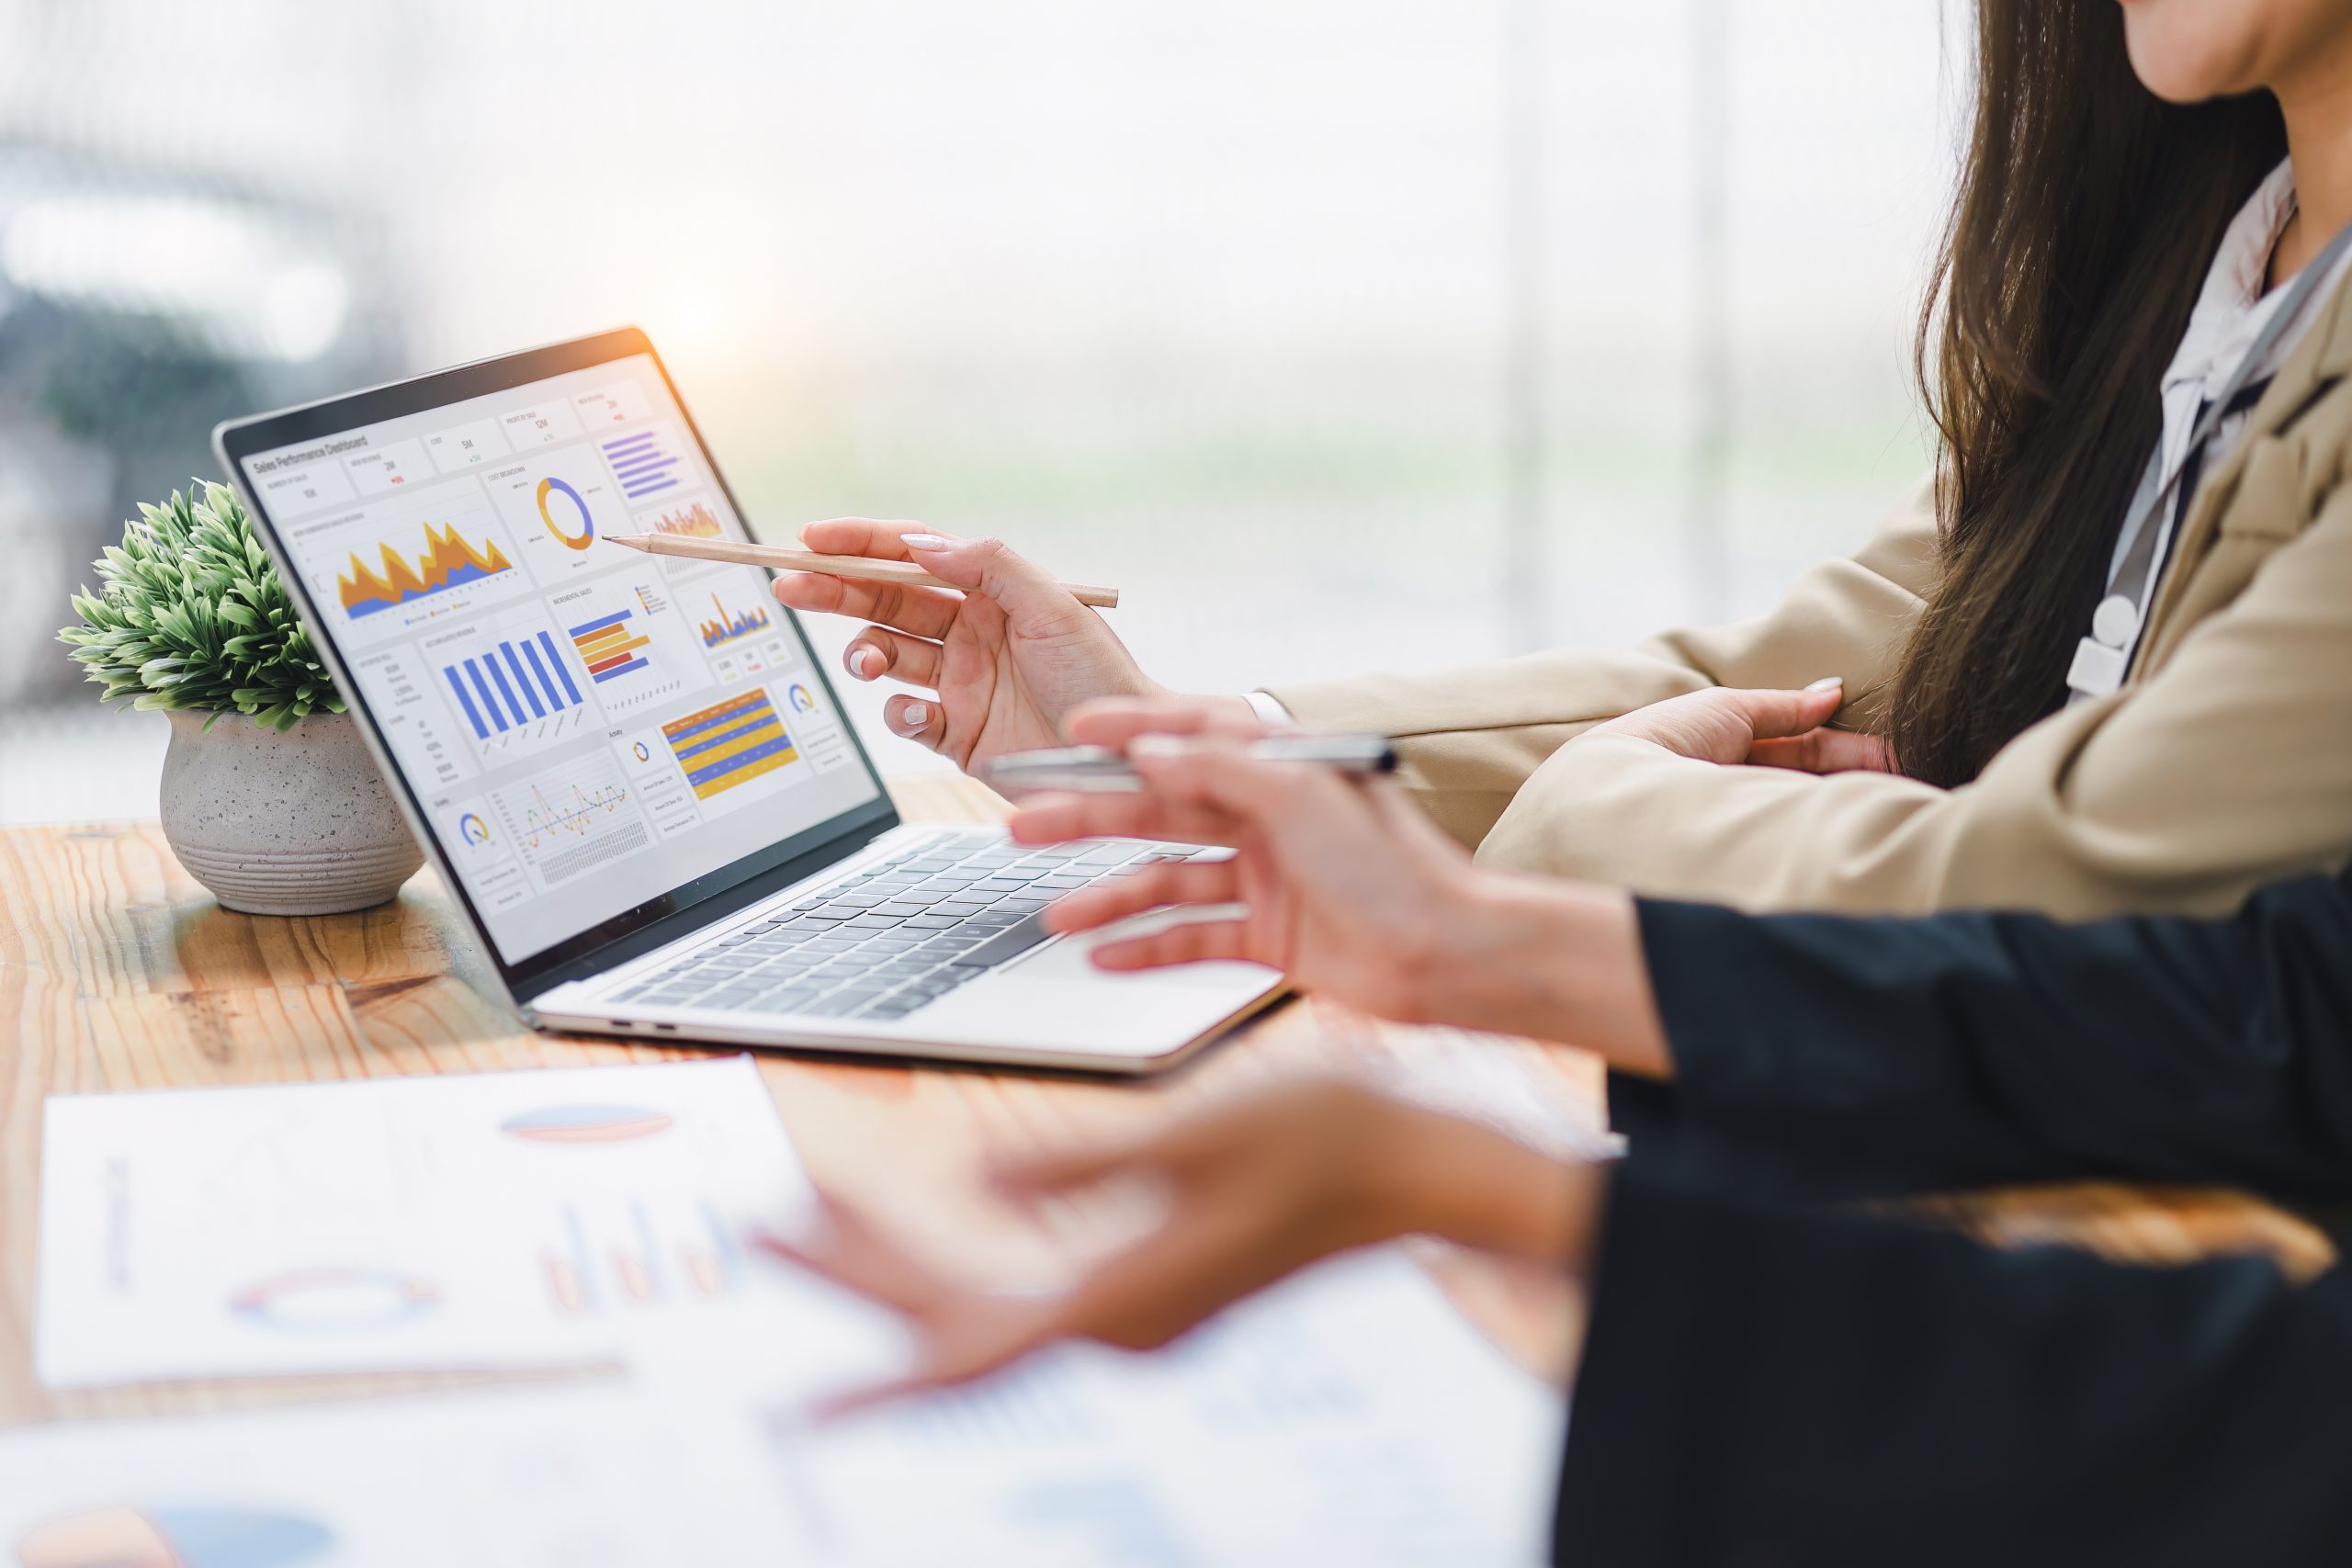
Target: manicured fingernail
{"type": "Point", "coordinates": [1156, 746]}
{"type": "Point", "coordinates": [859, 658]}
{"type": "Point", "coordinates": [913, 716]}
{"type": "Point", "coordinates": [1827, 683]}
{"type": "Point", "coordinates": [923, 541]}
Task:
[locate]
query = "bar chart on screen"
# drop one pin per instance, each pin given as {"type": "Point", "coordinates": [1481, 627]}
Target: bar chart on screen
{"type": "Point", "coordinates": [729, 744]}
{"type": "Point", "coordinates": [518, 690]}
{"type": "Point", "coordinates": [731, 622]}
{"type": "Point", "coordinates": [627, 635]}
{"type": "Point", "coordinates": [647, 462]}
{"type": "Point", "coordinates": [692, 517]}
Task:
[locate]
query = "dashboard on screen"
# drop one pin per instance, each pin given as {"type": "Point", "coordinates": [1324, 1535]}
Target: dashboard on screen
{"type": "Point", "coordinates": [585, 726]}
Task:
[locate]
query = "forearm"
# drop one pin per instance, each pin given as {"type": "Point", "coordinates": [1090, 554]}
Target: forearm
{"type": "Point", "coordinates": [1962, 1049]}
{"type": "Point", "coordinates": [1553, 961]}
{"type": "Point", "coordinates": [1446, 1176]}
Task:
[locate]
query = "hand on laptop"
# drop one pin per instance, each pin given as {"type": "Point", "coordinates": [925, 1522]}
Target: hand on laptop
{"type": "Point", "coordinates": [1004, 662]}
{"type": "Point", "coordinates": [1255, 1190]}
{"type": "Point", "coordinates": [1349, 889]}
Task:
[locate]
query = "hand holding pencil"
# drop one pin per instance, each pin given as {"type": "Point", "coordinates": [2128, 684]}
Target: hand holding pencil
{"type": "Point", "coordinates": [999, 650]}
{"type": "Point", "coordinates": [863, 568]}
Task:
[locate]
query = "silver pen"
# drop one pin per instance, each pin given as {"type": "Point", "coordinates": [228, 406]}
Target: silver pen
{"type": "Point", "coordinates": [1098, 770]}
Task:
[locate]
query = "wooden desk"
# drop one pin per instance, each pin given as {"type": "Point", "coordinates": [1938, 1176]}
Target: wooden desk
{"type": "Point", "coordinates": [119, 972]}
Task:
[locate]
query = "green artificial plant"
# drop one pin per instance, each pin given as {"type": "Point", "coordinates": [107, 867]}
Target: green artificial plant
{"type": "Point", "coordinates": [190, 614]}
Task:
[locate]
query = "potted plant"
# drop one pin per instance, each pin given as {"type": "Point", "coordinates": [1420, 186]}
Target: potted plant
{"type": "Point", "coordinates": [286, 815]}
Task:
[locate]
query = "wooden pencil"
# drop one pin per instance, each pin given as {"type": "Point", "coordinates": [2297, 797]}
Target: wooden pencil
{"type": "Point", "coordinates": [864, 568]}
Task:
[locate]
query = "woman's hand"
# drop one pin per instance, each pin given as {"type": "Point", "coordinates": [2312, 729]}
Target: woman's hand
{"type": "Point", "coordinates": [1767, 729]}
{"type": "Point", "coordinates": [1253, 1190]}
{"type": "Point", "coordinates": [1007, 658]}
{"type": "Point", "coordinates": [1351, 890]}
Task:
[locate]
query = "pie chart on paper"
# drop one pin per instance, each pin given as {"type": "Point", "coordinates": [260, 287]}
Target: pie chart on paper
{"type": "Point", "coordinates": [173, 1538]}
{"type": "Point", "coordinates": [585, 1124]}
{"type": "Point", "coordinates": [329, 1300]}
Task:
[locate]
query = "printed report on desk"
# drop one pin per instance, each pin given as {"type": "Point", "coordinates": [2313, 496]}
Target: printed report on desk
{"type": "Point", "coordinates": [586, 725]}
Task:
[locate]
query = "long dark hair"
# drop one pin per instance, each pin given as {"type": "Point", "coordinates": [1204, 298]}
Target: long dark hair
{"type": "Point", "coordinates": [2089, 212]}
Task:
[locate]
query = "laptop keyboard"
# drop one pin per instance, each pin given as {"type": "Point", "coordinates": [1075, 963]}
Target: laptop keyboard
{"type": "Point", "coordinates": [932, 917]}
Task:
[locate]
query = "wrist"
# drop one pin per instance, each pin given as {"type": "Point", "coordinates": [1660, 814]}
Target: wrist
{"type": "Point", "coordinates": [1553, 961]}
{"type": "Point", "coordinates": [1467, 1183]}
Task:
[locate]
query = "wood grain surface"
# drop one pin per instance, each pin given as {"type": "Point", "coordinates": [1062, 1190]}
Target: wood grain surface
{"type": "Point", "coordinates": [118, 973]}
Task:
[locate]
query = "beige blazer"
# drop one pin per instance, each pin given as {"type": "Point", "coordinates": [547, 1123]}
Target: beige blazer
{"type": "Point", "coordinates": [2224, 761]}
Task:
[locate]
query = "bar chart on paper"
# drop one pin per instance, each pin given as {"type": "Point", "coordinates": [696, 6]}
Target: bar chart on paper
{"type": "Point", "coordinates": [646, 462]}
{"type": "Point", "coordinates": [601, 1255]}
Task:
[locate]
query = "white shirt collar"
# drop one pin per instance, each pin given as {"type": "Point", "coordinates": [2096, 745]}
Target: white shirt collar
{"type": "Point", "coordinates": [2232, 308]}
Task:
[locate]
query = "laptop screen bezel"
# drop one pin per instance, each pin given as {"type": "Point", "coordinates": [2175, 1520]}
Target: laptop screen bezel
{"type": "Point", "coordinates": [689, 904]}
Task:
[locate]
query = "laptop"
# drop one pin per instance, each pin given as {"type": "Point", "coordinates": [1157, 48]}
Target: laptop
{"type": "Point", "coordinates": [629, 770]}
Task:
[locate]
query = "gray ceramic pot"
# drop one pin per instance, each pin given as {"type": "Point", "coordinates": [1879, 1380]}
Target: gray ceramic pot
{"type": "Point", "coordinates": [293, 822]}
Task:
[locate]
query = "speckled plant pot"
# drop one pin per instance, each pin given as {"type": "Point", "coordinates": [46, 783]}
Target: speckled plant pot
{"type": "Point", "coordinates": [293, 822]}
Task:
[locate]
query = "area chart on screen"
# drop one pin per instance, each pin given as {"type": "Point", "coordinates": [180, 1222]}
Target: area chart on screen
{"type": "Point", "coordinates": [730, 743]}
{"type": "Point", "coordinates": [694, 519]}
{"type": "Point", "coordinates": [449, 561]}
{"type": "Point", "coordinates": [725, 626]}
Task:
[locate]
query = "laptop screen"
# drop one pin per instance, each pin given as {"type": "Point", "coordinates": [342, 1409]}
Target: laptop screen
{"type": "Point", "coordinates": [583, 727]}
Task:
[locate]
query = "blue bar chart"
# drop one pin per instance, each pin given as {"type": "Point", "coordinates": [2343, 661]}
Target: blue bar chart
{"type": "Point", "coordinates": [509, 685]}
{"type": "Point", "coordinates": [646, 462]}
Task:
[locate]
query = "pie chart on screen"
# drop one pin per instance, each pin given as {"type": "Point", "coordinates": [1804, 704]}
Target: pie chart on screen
{"type": "Point", "coordinates": [585, 1124]}
{"type": "Point", "coordinates": [173, 1538]}
{"type": "Point", "coordinates": [566, 515]}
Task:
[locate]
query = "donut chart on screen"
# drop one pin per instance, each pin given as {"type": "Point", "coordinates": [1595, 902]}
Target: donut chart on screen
{"type": "Point", "coordinates": [584, 531]}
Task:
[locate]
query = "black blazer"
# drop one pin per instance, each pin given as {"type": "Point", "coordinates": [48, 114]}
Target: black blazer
{"type": "Point", "coordinates": [1768, 1379]}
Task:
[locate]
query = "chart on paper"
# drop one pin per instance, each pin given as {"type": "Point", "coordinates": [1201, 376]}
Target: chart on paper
{"type": "Point", "coordinates": [576, 1473]}
{"type": "Point", "coordinates": [522, 1219]}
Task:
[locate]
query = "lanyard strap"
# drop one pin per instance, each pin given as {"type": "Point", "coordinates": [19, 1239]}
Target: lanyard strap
{"type": "Point", "coordinates": [2100, 660]}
